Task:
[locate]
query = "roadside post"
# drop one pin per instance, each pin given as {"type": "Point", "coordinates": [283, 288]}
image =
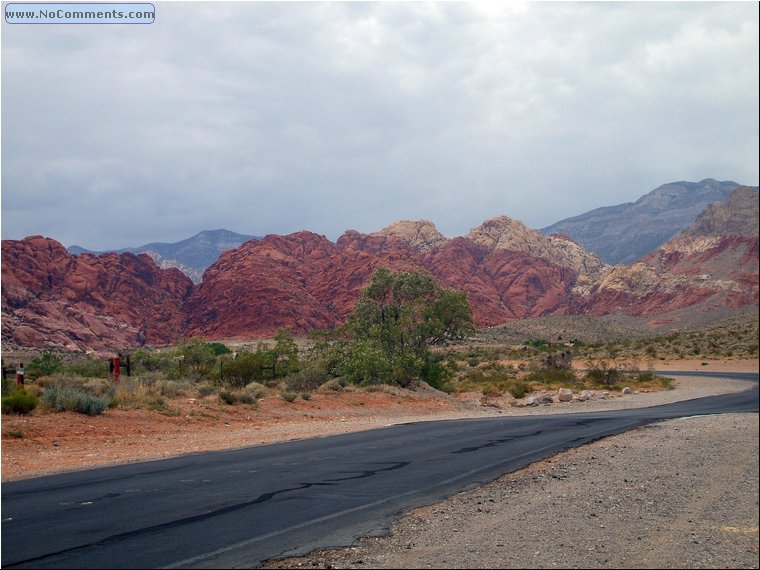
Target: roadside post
{"type": "Point", "coordinates": [114, 366]}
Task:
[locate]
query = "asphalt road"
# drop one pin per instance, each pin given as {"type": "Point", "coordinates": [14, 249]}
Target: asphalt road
{"type": "Point", "coordinates": [237, 508]}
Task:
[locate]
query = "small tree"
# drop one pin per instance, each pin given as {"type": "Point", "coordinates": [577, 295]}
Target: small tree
{"type": "Point", "coordinates": [285, 354]}
{"type": "Point", "coordinates": [395, 321]}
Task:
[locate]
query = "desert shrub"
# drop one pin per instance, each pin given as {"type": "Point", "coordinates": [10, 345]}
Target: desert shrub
{"type": "Point", "coordinates": [228, 397]}
{"type": "Point", "coordinates": [518, 389]}
{"type": "Point", "coordinates": [99, 387]}
{"type": "Point", "coordinates": [56, 379]}
{"type": "Point", "coordinates": [491, 389]}
{"type": "Point", "coordinates": [152, 361]}
{"type": "Point", "coordinates": [217, 348]}
{"type": "Point", "coordinates": [650, 377]}
{"type": "Point", "coordinates": [288, 396]}
{"type": "Point", "coordinates": [137, 392]}
{"type": "Point", "coordinates": [231, 397]}
{"type": "Point", "coordinates": [89, 368]}
{"type": "Point", "coordinates": [553, 375]}
{"type": "Point", "coordinates": [204, 389]}
{"type": "Point", "coordinates": [33, 389]}
{"type": "Point", "coordinates": [19, 402]}
{"type": "Point", "coordinates": [47, 363]}
{"type": "Point", "coordinates": [9, 385]}
{"type": "Point", "coordinates": [246, 398]}
{"type": "Point", "coordinates": [306, 395]}
{"type": "Point", "coordinates": [334, 385]}
{"type": "Point", "coordinates": [604, 375]}
{"type": "Point", "coordinates": [305, 379]}
{"type": "Point", "coordinates": [174, 388]}
{"type": "Point", "coordinates": [248, 367]}
{"type": "Point", "coordinates": [65, 398]}
{"type": "Point", "coordinates": [256, 390]}
{"type": "Point", "coordinates": [562, 360]}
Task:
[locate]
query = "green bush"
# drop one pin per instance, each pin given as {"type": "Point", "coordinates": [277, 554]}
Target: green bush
{"type": "Point", "coordinates": [217, 348]}
{"type": "Point", "coordinates": [66, 398]}
{"type": "Point", "coordinates": [45, 365]}
{"type": "Point", "coordinates": [306, 379]}
{"type": "Point", "coordinates": [605, 376]}
{"type": "Point", "coordinates": [334, 385]}
{"type": "Point", "coordinates": [519, 389]}
{"type": "Point", "coordinates": [436, 374]}
{"type": "Point", "coordinates": [553, 375]}
{"type": "Point", "coordinates": [88, 368]}
{"type": "Point", "coordinates": [231, 397]}
{"type": "Point", "coordinates": [364, 363]}
{"type": "Point", "coordinates": [256, 390]}
{"type": "Point", "coordinates": [19, 402]}
{"type": "Point", "coordinates": [9, 385]}
{"type": "Point", "coordinates": [228, 397]}
{"type": "Point", "coordinates": [289, 396]}
{"type": "Point", "coordinates": [248, 367]}
{"type": "Point", "coordinates": [152, 361]}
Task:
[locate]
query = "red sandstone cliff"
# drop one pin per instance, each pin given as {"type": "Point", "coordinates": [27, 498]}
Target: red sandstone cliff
{"type": "Point", "coordinates": [303, 281]}
{"type": "Point", "coordinates": [53, 298]}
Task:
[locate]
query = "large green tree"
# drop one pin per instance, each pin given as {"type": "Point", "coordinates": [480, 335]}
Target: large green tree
{"type": "Point", "coordinates": [398, 316]}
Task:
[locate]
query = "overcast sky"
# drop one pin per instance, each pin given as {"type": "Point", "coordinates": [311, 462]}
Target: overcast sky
{"type": "Point", "coordinates": [275, 117]}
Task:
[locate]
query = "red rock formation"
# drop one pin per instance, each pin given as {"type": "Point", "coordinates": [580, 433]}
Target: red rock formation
{"type": "Point", "coordinates": [712, 263]}
{"type": "Point", "coordinates": [53, 298]}
{"type": "Point", "coordinates": [303, 281]}
{"type": "Point", "coordinates": [300, 281]}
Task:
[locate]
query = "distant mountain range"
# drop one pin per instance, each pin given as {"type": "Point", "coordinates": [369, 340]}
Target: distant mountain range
{"type": "Point", "coordinates": [617, 234]}
{"type": "Point", "coordinates": [302, 281]}
{"type": "Point", "coordinates": [626, 232]}
{"type": "Point", "coordinates": [191, 256]}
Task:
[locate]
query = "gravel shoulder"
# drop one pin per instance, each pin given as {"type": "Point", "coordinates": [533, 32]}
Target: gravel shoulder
{"type": "Point", "coordinates": [675, 494]}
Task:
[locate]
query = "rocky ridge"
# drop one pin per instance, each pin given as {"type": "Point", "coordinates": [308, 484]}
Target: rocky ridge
{"type": "Point", "coordinates": [304, 281]}
{"type": "Point", "coordinates": [51, 297]}
{"type": "Point", "coordinates": [624, 233]}
{"type": "Point", "coordinates": [713, 262]}
{"type": "Point", "coordinates": [191, 256]}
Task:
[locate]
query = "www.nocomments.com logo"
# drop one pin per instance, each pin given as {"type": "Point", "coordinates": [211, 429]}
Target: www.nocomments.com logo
{"type": "Point", "coordinates": [74, 13]}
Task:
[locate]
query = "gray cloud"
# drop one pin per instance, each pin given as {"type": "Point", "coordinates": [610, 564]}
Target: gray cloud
{"type": "Point", "coordinates": [274, 117]}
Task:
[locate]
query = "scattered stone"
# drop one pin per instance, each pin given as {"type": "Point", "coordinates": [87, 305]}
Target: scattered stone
{"type": "Point", "coordinates": [565, 395]}
{"type": "Point", "coordinates": [585, 395]}
{"type": "Point", "coordinates": [539, 400]}
{"type": "Point", "coordinates": [626, 391]}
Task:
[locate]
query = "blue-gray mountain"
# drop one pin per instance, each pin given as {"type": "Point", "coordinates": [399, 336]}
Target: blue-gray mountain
{"type": "Point", "coordinates": [191, 256]}
{"type": "Point", "coordinates": [626, 232]}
